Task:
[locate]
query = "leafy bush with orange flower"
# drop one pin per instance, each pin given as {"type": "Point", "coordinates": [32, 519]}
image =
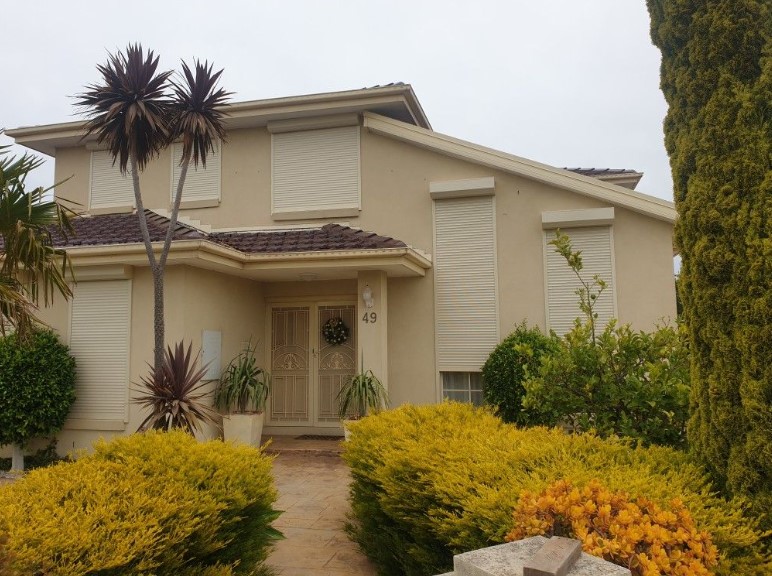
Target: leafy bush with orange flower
{"type": "Point", "coordinates": [637, 534]}
{"type": "Point", "coordinates": [433, 481]}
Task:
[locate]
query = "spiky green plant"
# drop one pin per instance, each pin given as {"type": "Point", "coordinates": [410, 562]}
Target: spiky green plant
{"type": "Point", "coordinates": [362, 392]}
{"type": "Point", "coordinates": [243, 386]}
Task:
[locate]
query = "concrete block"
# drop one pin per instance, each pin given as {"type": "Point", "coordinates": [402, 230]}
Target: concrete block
{"type": "Point", "coordinates": [509, 559]}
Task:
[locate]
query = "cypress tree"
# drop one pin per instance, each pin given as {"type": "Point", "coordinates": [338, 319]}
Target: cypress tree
{"type": "Point", "coordinates": [716, 76]}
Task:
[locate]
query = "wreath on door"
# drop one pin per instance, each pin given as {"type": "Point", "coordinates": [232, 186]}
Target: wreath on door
{"type": "Point", "coordinates": [334, 331]}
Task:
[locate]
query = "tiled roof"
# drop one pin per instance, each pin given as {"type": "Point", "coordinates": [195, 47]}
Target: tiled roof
{"type": "Point", "coordinates": [111, 229]}
{"type": "Point", "coordinates": [595, 172]}
{"type": "Point", "coordinates": [328, 237]}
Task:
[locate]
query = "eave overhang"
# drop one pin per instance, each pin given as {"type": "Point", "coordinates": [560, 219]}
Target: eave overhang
{"type": "Point", "coordinates": [396, 101]}
{"type": "Point", "coordinates": [273, 267]}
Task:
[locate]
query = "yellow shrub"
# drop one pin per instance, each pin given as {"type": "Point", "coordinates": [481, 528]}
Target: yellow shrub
{"type": "Point", "coordinates": [639, 535]}
{"type": "Point", "coordinates": [148, 503]}
{"type": "Point", "coordinates": [432, 481]}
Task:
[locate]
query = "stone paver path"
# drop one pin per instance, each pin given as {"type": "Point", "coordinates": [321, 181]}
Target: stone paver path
{"type": "Point", "coordinates": [313, 492]}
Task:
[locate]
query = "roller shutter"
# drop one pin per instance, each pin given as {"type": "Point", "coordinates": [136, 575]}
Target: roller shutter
{"type": "Point", "coordinates": [99, 341]}
{"type": "Point", "coordinates": [316, 170]}
{"type": "Point", "coordinates": [562, 283]}
{"type": "Point", "coordinates": [200, 183]}
{"type": "Point", "coordinates": [465, 282]}
{"type": "Point", "coordinates": [109, 188]}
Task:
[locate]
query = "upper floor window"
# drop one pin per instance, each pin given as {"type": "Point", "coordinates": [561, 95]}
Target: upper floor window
{"type": "Point", "coordinates": [109, 189]}
{"type": "Point", "coordinates": [315, 173]}
{"type": "Point", "coordinates": [202, 185]}
{"type": "Point", "coordinates": [596, 245]}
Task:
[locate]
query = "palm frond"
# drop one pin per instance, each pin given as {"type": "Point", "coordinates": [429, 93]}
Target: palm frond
{"type": "Point", "coordinates": [197, 111]}
{"type": "Point", "coordinates": [31, 266]}
{"type": "Point", "coordinates": [129, 110]}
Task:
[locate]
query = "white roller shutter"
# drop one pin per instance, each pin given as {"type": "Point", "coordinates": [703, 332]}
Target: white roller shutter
{"type": "Point", "coordinates": [316, 170]}
{"type": "Point", "coordinates": [99, 340]}
{"type": "Point", "coordinates": [562, 283]}
{"type": "Point", "coordinates": [465, 282]}
{"type": "Point", "coordinates": [109, 188]}
{"type": "Point", "coordinates": [200, 183]}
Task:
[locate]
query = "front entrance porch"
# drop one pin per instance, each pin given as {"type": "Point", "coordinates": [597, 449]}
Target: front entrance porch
{"type": "Point", "coordinates": [307, 370]}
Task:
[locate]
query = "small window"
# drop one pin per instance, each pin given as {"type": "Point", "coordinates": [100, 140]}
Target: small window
{"type": "Point", "coordinates": [462, 387]}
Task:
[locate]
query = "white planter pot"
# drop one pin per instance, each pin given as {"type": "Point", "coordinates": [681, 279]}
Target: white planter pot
{"type": "Point", "coordinates": [244, 428]}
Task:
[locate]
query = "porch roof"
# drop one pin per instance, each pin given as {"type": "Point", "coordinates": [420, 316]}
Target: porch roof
{"type": "Point", "coordinates": [331, 251]}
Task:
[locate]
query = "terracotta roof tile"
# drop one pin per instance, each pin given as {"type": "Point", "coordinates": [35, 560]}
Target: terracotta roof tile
{"type": "Point", "coordinates": [328, 237]}
{"type": "Point", "coordinates": [112, 229]}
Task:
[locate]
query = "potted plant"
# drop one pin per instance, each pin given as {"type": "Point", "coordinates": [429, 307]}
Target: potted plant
{"type": "Point", "coordinates": [242, 393]}
{"type": "Point", "coordinates": [361, 393]}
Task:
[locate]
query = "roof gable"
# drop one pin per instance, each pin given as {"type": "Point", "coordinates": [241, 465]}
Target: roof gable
{"type": "Point", "coordinates": [463, 150]}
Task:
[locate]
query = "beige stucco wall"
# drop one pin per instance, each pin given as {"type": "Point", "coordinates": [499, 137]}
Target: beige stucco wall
{"type": "Point", "coordinates": [195, 300]}
{"type": "Point", "coordinates": [395, 179]}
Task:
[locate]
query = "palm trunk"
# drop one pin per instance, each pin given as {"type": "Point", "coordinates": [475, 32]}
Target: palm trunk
{"type": "Point", "coordinates": [157, 271]}
{"type": "Point", "coordinates": [158, 267]}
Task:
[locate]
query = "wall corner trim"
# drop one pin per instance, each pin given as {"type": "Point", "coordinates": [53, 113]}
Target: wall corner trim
{"type": "Point", "coordinates": [462, 188]}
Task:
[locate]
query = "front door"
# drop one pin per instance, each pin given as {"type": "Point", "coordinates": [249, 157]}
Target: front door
{"type": "Point", "coordinates": [308, 372]}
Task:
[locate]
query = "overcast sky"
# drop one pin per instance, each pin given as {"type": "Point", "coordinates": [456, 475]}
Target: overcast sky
{"type": "Point", "coordinates": [564, 82]}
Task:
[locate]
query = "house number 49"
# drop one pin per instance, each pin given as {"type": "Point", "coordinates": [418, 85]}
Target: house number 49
{"type": "Point", "coordinates": [370, 318]}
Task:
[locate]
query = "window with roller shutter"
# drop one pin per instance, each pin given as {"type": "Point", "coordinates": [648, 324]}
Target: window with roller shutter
{"type": "Point", "coordinates": [595, 243]}
{"type": "Point", "coordinates": [99, 340]}
{"type": "Point", "coordinates": [466, 319]}
{"type": "Point", "coordinates": [316, 171]}
{"type": "Point", "coordinates": [109, 188]}
{"type": "Point", "coordinates": [202, 185]}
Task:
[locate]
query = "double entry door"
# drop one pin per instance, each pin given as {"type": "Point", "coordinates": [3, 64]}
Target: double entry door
{"type": "Point", "coordinates": [307, 372]}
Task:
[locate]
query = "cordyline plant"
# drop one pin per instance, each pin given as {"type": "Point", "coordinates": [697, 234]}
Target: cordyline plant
{"type": "Point", "coordinates": [138, 111]}
{"type": "Point", "coordinates": [174, 393]}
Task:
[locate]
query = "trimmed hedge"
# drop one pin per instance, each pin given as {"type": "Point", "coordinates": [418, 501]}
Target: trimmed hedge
{"type": "Point", "coordinates": [433, 481]}
{"type": "Point", "coordinates": [37, 386]}
{"type": "Point", "coordinates": [153, 503]}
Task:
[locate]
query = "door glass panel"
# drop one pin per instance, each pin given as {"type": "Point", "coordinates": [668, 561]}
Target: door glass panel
{"type": "Point", "coordinates": [289, 365]}
{"type": "Point", "coordinates": [337, 362]}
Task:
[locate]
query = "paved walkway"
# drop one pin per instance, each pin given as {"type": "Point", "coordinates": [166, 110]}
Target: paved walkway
{"type": "Point", "coordinates": [312, 481]}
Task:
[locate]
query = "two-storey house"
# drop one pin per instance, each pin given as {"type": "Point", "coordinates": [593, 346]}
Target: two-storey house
{"type": "Point", "coordinates": [341, 205]}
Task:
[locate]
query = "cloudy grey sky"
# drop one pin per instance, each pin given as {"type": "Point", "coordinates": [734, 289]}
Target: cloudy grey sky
{"type": "Point", "coordinates": [564, 82]}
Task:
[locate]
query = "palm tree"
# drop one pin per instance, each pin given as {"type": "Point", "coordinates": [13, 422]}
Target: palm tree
{"type": "Point", "coordinates": [32, 268]}
{"type": "Point", "coordinates": [133, 114]}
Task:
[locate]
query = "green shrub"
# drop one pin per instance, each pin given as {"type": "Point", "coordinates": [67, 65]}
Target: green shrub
{"type": "Point", "coordinates": [432, 481]}
{"type": "Point", "coordinates": [159, 503]}
{"type": "Point", "coordinates": [625, 383]}
{"type": "Point", "coordinates": [508, 366]}
{"type": "Point", "coordinates": [37, 386]}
